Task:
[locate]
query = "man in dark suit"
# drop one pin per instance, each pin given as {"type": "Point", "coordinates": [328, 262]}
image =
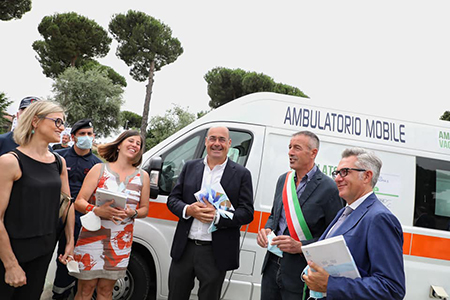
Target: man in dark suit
{"type": "Point", "coordinates": [196, 252]}
{"type": "Point", "coordinates": [317, 198]}
{"type": "Point", "coordinates": [373, 235]}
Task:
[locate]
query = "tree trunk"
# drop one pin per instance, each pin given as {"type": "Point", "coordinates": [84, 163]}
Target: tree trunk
{"type": "Point", "coordinates": [73, 60]}
{"type": "Point", "coordinates": [148, 96]}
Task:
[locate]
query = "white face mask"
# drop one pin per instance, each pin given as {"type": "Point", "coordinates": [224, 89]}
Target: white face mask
{"type": "Point", "coordinates": [84, 142]}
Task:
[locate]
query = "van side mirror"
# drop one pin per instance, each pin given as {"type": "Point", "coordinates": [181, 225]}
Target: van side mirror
{"type": "Point", "coordinates": [154, 169]}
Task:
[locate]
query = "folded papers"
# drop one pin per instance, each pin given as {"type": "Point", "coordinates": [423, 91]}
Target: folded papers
{"type": "Point", "coordinates": [215, 195]}
{"type": "Point", "coordinates": [273, 248]}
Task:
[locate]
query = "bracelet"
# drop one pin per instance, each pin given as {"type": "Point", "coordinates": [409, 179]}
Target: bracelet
{"type": "Point", "coordinates": [135, 214]}
{"type": "Point", "coordinates": [89, 207]}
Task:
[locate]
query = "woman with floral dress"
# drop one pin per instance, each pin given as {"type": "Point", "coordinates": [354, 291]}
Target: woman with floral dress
{"type": "Point", "coordinates": [103, 255]}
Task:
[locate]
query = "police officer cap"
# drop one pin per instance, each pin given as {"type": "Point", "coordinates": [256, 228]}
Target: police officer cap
{"type": "Point", "coordinates": [81, 124]}
{"type": "Point", "coordinates": [27, 101]}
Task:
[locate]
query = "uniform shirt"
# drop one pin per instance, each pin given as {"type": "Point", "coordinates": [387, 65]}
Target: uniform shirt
{"type": "Point", "coordinates": [199, 230]}
{"type": "Point", "coordinates": [59, 146]}
{"type": "Point", "coordinates": [7, 142]}
{"type": "Point", "coordinates": [77, 167]}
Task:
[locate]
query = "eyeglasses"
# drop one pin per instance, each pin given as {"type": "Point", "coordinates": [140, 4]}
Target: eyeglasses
{"type": "Point", "coordinates": [58, 121]}
{"type": "Point", "coordinates": [344, 172]}
{"type": "Point", "coordinates": [213, 139]}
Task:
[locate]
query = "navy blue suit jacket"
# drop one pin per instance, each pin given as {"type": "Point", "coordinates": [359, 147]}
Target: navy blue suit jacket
{"type": "Point", "coordinates": [375, 239]}
{"type": "Point", "coordinates": [237, 183]}
{"type": "Point", "coordinates": [7, 142]}
{"type": "Point", "coordinates": [319, 202]}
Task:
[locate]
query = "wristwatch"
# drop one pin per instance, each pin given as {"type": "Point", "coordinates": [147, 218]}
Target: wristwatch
{"type": "Point", "coordinates": [135, 214]}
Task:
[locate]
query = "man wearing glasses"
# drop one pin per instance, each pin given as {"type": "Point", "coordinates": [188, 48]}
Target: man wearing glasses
{"type": "Point", "coordinates": [373, 235]}
{"type": "Point", "coordinates": [197, 252]}
{"type": "Point", "coordinates": [7, 142]}
{"type": "Point", "coordinates": [305, 202]}
{"type": "Point", "coordinates": [79, 160]}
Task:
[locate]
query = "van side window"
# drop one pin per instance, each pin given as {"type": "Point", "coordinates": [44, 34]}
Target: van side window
{"type": "Point", "coordinates": [174, 160]}
{"type": "Point", "coordinates": [240, 146]}
{"type": "Point", "coordinates": [432, 204]}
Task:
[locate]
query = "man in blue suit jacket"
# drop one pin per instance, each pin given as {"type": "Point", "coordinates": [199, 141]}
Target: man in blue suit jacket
{"type": "Point", "coordinates": [372, 233]}
{"type": "Point", "coordinates": [195, 252]}
{"type": "Point", "coordinates": [7, 142]}
{"type": "Point", "coordinates": [319, 201]}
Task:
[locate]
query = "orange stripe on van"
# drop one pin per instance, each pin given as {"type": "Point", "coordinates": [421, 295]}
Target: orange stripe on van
{"type": "Point", "coordinates": [430, 246]}
{"type": "Point", "coordinates": [160, 211]}
{"type": "Point", "coordinates": [259, 221]}
{"type": "Point", "coordinates": [414, 244]}
{"type": "Point", "coordinates": [406, 243]}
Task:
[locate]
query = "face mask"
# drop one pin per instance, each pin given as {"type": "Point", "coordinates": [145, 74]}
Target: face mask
{"type": "Point", "coordinates": [312, 294]}
{"type": "Point", "coordinates": [273, 248]}
{"type": "Point", "coordinates": [84, 142]}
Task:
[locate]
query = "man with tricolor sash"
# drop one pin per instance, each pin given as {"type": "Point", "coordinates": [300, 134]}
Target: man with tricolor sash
{"type": "Point", "coordinates": [305, 202]}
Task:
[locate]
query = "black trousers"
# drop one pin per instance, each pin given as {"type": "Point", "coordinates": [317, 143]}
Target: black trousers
{"type": "Point", "coordinates": [272, 287]}
{"type": "Point", "coordinates": [35, 271]}
{"type": "Point", "coordinates": [197, 261]}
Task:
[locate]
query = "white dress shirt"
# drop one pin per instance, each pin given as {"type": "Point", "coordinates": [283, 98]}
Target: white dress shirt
{"type": "Point", "coordinates": [199, 230]}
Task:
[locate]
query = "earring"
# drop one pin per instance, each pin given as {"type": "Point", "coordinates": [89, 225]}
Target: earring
{"type": "Point", "coordinates": [32, 131]}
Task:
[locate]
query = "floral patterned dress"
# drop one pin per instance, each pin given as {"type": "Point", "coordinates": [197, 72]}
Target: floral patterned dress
{"type": "Point", "coordinates": [105, 253]}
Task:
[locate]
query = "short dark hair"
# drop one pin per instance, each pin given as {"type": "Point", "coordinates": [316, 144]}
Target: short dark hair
{"type": "Point", "coordinates": [109, 150]}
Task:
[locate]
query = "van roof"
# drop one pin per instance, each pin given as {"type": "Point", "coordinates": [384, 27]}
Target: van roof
{"type": "Point", "coordinates": [295, 114]}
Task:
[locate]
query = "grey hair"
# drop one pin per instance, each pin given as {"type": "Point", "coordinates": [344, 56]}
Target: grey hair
{"type": "Point", "coordinates": [365, 160]}
{"type": "Point", "coordinates": [314, 142]}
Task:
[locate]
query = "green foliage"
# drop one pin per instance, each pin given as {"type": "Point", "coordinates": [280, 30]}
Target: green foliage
{"type": "Point", "coordinates": [202, 113]}
{"type": "Point", "coordinates": [90, 94]}
{"type": "Point", "coordinates": [445, 116]}
{"type": "Point", "coordinates": [143, 39]}
{"type": "Point", "coordinates": [4, 103]}
{"type": "Point", "coordinates": [145, 44]}
{"type": "Point", "coordinates": [70, 40]}
{"type": "Point", "coordinates": [161, 127]}
{"type": "Point", "coordinates": [281, 88]}
{"type": "Point", "coordinates": [14, 9]}
{"type": "Point", "coordinates": [130, 120]}
{"type": "Point", "coordinates": [112, 74]}
{"type": "Point", "coordinates": [225, 85]}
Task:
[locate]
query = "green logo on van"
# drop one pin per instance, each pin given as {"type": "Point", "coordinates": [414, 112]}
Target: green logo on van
{"type": "Point", "coordinates": [444, 139]}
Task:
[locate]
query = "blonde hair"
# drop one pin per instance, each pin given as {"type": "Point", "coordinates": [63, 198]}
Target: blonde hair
{"type": "Point", "coordinates": [39, 109]}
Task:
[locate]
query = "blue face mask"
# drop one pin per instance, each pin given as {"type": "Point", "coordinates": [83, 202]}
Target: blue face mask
{"type": "Point", "coordinates": [84, 142]}
{"type": "Point", "coordinates": [312, 294]}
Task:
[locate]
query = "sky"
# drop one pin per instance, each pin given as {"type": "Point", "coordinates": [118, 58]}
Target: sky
{"type": "Point", "coordinates": [384, 58]}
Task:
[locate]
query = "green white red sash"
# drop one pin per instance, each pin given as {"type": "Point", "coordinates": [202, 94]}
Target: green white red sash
{"type": "Point", "coordinates": [294, 216]}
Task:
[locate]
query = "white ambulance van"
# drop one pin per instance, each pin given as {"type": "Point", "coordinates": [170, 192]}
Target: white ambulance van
{"type": "Point", "coordinates": [414, 184]}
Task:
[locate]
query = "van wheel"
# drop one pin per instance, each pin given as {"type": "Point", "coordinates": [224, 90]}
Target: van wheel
{"type": "Point", "coordinates": [136, 283]}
